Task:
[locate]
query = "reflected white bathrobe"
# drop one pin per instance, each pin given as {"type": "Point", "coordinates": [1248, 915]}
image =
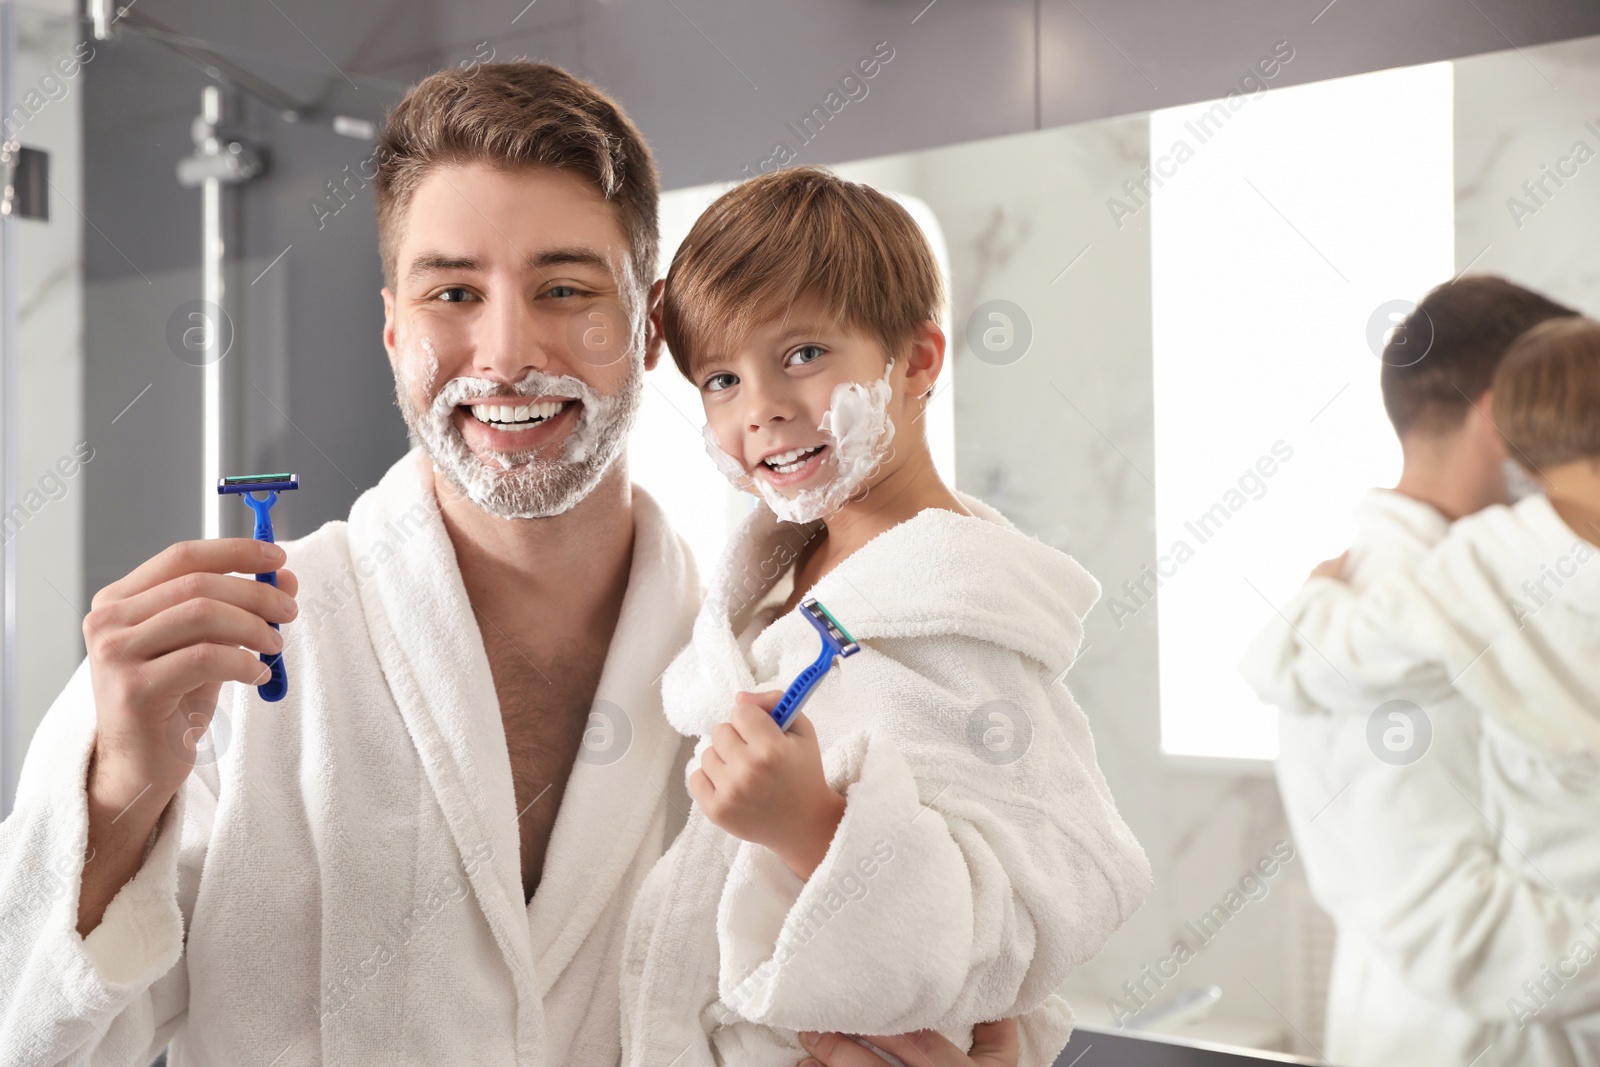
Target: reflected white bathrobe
{"type": "Point", "coordinates": [1466, 879]}
{"type": "Point", "coordinates": [343, 884]}
{"type": "Point", "coordinates": [981, 856]}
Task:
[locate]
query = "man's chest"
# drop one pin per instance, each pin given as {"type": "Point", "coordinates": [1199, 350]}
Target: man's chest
{"type": "Point", "coordinates": [544, 708]}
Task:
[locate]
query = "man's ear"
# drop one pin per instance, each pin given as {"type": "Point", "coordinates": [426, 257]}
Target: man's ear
{"type": "Point", "coordinates": [388, 321]}
{"type": "Point", "coordinates": [924, 359]}
{"type": "Point", "coordinates": [654, 342]}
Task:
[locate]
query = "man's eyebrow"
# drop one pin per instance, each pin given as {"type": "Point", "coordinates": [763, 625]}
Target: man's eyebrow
{"type": "Point", "coordinates": [577, 255]}
{"type": "Point", "coordinates": [573, 255]}
{"type": "Point", "coordinates": [428, 262]}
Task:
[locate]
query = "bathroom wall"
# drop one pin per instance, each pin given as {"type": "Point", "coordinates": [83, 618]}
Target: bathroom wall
{"type": "Point", "coordinates": [49, 433]}
{"type": "Point", "coordinates": [1523, 120]}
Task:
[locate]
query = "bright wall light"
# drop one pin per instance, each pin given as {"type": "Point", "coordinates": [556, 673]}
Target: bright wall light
{"type": "Point", "coordinates": [1283, 223]}
{"type": "Point", "coordinates": [666, 454]}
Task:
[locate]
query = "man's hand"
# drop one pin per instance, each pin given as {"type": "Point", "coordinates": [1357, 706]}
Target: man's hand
{"type": "Point", "coordinates": [1331, 568]}
{"type": "Point", "coordinates": [766, 786]}
{"type": "Point", "coordinates": [993, 1045]}
{"type": "Point", "coordinates": [161, 643]}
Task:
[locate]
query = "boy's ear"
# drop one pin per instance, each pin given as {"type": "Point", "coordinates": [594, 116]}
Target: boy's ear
{"type": "Point", "coordinates": [654, 342]}
{"type": "Point", "coordinates": [924, 359]}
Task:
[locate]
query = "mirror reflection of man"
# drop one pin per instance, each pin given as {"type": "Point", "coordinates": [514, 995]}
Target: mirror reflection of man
{"type": "Point", "coordinates": [1434, 933]}
{"type": "Point", "coordinates": [418, 855]}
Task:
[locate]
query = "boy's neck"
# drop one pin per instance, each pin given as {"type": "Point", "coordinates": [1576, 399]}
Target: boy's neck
{"type": "Point", "coordinates": [909, 489]}
{"type": "Point", "coordinates": [1574, 493]}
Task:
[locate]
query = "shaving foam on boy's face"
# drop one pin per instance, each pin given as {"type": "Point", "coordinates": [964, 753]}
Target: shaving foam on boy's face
{"type": "Point", "coordinates": [799, 485]}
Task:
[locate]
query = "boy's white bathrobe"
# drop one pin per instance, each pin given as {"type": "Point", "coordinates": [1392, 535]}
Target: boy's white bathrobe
{"type": "Point", "coordinates": [1475, 894]}
{"type": "Point", "coordinates": [343, 884]}
{"type": "Point", "coordinates": [981, 856]}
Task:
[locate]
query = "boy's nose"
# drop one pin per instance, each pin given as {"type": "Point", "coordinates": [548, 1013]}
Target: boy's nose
{"type": "Point", "coordinates": [765, 403]}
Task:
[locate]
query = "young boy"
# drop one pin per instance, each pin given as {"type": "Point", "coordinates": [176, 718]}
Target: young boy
{"type": "Point", "coordinates": [1505, 613]}
{"type": "Point", "coordinates": [931, 844]}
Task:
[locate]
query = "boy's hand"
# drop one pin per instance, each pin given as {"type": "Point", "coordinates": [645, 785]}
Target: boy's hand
{"type": "Point", "coordinates": [766, 786]}
{"type": "Point", "coordinates": [1331, 568]}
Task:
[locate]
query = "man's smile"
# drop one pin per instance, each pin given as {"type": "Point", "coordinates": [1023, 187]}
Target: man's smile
{"type": "Point", "coordinates": [515, 424]}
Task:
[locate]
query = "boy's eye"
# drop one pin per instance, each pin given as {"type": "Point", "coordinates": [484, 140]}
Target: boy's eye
{"type": "Point", "coordinates": [561, 291]}
{"type": "Point", "coordinates": [718, 382]}
{"type": "Point", "coordinates": [800, 355]}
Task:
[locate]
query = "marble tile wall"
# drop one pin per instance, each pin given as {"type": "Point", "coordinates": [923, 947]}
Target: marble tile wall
{"type": "Point", "coordinates": [1527, 136]}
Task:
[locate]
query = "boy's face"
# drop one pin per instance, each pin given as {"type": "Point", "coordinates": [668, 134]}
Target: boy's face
{"type": "Point", "coordinates": [516, 334]}
{"type": "Point", "coordinates": [765, 400]}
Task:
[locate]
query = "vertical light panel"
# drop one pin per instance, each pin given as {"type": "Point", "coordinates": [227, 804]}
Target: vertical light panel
{"type": "Point", "coordinates": [1284, 226]}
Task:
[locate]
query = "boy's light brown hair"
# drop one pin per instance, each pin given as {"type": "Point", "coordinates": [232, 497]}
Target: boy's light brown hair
{"type": "Point", "coordinates": [791, 234]}
{"type": "Point", "coordinates": [514, 115]}
{"type": "Point", "coordinates": [1547, 394]}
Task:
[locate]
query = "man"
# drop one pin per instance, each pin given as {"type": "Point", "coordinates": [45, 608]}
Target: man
{"type": "Point", "coordinates": [1434, 932]}
{"type": "Point", "coordinates": [427, 851]}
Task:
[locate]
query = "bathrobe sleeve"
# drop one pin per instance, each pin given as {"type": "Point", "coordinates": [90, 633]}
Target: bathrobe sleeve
{"type": "Point", "coordinates": [118, 995]}
{"type": "Point", "coordinates": [1456, 921]}
{"type": "Point", "coordinates": [979, 860]}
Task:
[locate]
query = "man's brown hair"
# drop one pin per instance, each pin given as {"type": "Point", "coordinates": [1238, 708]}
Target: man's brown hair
{"type": "Point", "coordinates": [1547, 394]}
{"type": "Point", "coordinates": [514, 115]}
{"type": "Point", "coordinates": [1471, 322]}
{"type": "Point", "coordinates": [796, 233]}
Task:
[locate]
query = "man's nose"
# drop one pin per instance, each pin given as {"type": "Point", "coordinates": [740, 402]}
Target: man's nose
{"type": "Point", "coordinates": [508, 345]}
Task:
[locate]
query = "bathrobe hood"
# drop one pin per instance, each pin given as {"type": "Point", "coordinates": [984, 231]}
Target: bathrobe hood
{"type": "Point", "coordinates": [949, 574]}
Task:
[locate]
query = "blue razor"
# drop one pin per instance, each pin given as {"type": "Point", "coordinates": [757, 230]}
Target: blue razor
{"type": "Point", "coordinates": [248, 485]}
{"type": "Point", "coordinates": [836, 642]}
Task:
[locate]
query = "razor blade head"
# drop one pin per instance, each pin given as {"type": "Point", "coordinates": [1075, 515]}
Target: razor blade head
{"type": "Point", "coordinates": [829, 626]}
{"type": "Point", "coordinates": [254, 483]}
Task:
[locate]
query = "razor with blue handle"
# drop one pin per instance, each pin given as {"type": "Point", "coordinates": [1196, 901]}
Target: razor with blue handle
{"type": "Point", "coordinates": [836, 643]}
{"type": "Point", "coordinates": [248, 485]}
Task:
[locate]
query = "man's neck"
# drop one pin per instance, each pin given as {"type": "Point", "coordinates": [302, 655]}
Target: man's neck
{"type": "Point", "coordinates": [1446, 480]}
{"type": "Point", "coordinates": [520, 573]}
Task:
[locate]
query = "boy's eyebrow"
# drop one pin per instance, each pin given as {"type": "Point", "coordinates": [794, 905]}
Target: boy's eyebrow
{"type": "Point", "coordinates": [580, 255]}
{"type": "Point", "coordinates": [800, 329]}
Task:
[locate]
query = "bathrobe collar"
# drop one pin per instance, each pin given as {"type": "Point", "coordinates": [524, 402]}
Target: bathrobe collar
{"type": "Point", "coordinates": [425, 632]}
{"type": "Point", "coordinates": [937, 574]}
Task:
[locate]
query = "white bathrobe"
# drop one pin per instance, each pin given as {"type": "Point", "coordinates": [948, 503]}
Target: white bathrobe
{"type": "Point", "coordinates": [1464, 874]}
{"type": "Point", "coordinates": [343, 884]}
{"type": "Point", "coordinates": [981, 856]}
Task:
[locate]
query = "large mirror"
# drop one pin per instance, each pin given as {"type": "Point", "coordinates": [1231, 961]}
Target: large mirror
{"type": "Point", "coordinates": [1167, 333]}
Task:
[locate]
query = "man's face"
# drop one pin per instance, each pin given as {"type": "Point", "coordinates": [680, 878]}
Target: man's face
{"type": "Point", "coordinates": [517, 334]}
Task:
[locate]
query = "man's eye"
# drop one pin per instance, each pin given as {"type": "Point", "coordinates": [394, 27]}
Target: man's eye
{"type": "Point", "coordinates": [800, 356]}
{"type": "Point", "coordinates": [559, 291]}
{"type": "Point", "coordinates": [444, 294]}
{"type": "Point", "coordinates": [718, 382]}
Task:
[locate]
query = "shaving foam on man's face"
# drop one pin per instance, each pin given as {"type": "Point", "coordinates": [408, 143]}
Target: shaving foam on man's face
{"type": "Point", "coordinates": [805, 426]}
{"type": "Point", "coordinates": [518, 342]}
{"type": "Point", "coordinates": [525, 482]}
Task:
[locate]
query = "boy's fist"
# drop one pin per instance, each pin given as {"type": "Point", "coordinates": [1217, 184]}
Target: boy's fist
{"type": "Point", "coordinates": [766, 786]}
